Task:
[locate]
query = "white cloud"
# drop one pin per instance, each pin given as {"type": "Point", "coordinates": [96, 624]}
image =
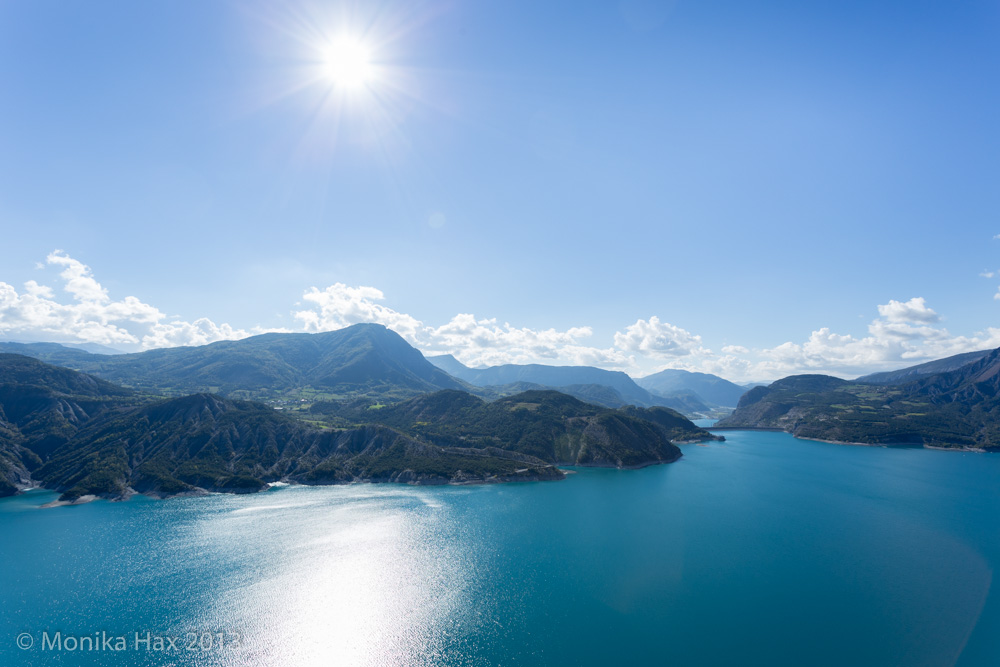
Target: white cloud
{"type": "Point", "coordinates": [905, 332]}
{"type": "Point", "coordinates": [902, 336]}
{"type": "Point", "coordinates": [93, 317]}
{"type": "Point", "coordinates": [79, 281]}
{"type": "Point", "coordinates": [987, 274]}
{"type": "Point", "coordinates": [914, 310]}
{"type": "Point", "coordinates": [889, 330]}
{"type": "Point", "coordinates": [200, 332]}
{"type": "Point", "coordinates": [485, 342]}
{"type": "Point", "coordinates": [339, 306]}
{"type": "Point", "coordinates": [827, 351]}
{"type": "Point", "coordinates": [658, 339]}
{"type": "Point", "coordinates": [41, 291]}
{"type": "Point", "coordinates": [477, 342]}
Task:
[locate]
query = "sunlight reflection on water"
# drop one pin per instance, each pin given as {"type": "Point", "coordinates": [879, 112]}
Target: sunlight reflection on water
{"type": "Point", "coordinates": [368, 577]}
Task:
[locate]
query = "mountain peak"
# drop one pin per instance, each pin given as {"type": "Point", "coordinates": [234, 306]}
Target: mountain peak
{"type": "Point", "coordinates": [707, 387]}
{"type": "Point", "coordinates": [362, 359]}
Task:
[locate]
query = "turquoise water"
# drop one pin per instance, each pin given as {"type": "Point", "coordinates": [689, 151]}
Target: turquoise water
{"type": "Point", "coordinates": [763, 550]}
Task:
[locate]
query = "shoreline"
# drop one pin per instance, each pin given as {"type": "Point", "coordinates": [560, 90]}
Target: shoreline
{"type": "Point", "coordinates": [698, 441]}
{"type": "Point", "coordinates": [82, 500]}
{"type": "Point", "coordinates": [744, 428]}
{"type": "Point", "coordinates": [639, 466]}
{"type": "Point", "coordinates": [199, 492]}
{"type": "Point", "coordinates": [285, 482]}
{"type": "Point", "coordinates": [886, 445]}
{"type": "Point", "coordinates": [895, 445]}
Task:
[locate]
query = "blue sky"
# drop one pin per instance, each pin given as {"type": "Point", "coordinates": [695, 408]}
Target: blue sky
{"type": "Point", "coordinates": [759, 177]}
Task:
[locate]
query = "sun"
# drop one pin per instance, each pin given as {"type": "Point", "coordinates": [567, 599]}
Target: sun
{"type": "Point", "coordinates": [347, 63]}
{"type": "Point", "coordinates": [347, 70]}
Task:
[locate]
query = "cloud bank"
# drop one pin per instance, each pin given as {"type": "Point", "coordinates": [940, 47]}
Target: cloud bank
{"type": "Point", "coordinates": [91, 316]}
{"type": "Point", "coordinates": [82, 311]}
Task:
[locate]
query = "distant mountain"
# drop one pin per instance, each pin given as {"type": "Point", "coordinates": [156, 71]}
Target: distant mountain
{"type": "Point", "coordinates": [94, 348]}
{"type": "Point", "coordinates": [958, 408]}
{"type": "Point", "coordinates": [930, 368]}
{"type": "Point", "coordinates": [709, 388]}
{"type": "Point", "coordinates": [689, 403]}
{"type": "Point", "coordinates": [450, 365]}
{"type": "Point", "coordinates": [363, 359]}
{"type": "Point", "coordinates": [560, 377]}
{"type": "Point", "coordinates": [548, 376]}
{"type": "Point", "coordinates": [51, 353]}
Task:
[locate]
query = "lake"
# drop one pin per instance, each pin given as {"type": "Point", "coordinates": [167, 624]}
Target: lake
{"type": "Point", "coordinates": [762, 550]}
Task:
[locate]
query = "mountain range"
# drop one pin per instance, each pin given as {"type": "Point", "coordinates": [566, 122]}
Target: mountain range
{"type": "Point", "coordinates": [368, 360]}
{"type": "Point", "coordinates": [929, 368]}
{"type": "Point", "coordinates": [361, 404]}
{"type": "Point", "coordinates": [710, 388]}
{"type": "Point", "coordinates": [365, 359]}
{"type": "Point", "coordinates": [949, 403]}
{"type": "Point", "coordinates": [205, 442]}
{"type": "Point", "coordinates": [376, 411]}
{"type": "Point", "coordinates": [584, 382]}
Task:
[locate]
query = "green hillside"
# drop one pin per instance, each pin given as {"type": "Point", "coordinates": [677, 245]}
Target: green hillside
{"type": "Point", "coordinates": [361, 360]}
{"type": "Point", "coordinates": [41, 408]}
{"type": "Point", "coordinates": [953, 409]}
{"type": "Point", "coordinates": [87, 437]}
{"type": "Point", "coordinates": [550, 425]}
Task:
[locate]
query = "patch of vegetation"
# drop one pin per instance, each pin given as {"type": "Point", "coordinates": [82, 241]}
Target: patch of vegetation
{"type": "Point", "coordinates": [954, 409]}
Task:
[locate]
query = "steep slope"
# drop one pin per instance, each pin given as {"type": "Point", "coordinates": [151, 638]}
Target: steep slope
{"type": "Point", "coordinates": [546, 424]}
{"type": "Point", "coordinates": [675, 426]}
{"type": "Point", "coordinates": [709, 388]}
{"type": "Point", "coordinates": [41, 408]}
{"type": "Point", "coordinates": [362, 359]}
{"type": "Point", "coordinates": [954, 409]}
{"type": "Point", "coordinates": [911, 373]}
{"type": "Point", "coordinates": [780, 404]}
{"type": "Point", "coordinates": [205, 442]}
{"type": "Point", "coordinates": [16, 461]}
{"type": "Point", "coordinates": [16, 369]}
{"type": "Point", "coordinates": [560, 377]}
{"type": "Point", "coordinates": [450, 365]}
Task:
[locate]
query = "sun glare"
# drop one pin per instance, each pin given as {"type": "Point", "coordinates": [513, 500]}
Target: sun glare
{"type": "Point", "coordinates": [347, 63]}
{"type": "Point", "coordinates": [345, 70]}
